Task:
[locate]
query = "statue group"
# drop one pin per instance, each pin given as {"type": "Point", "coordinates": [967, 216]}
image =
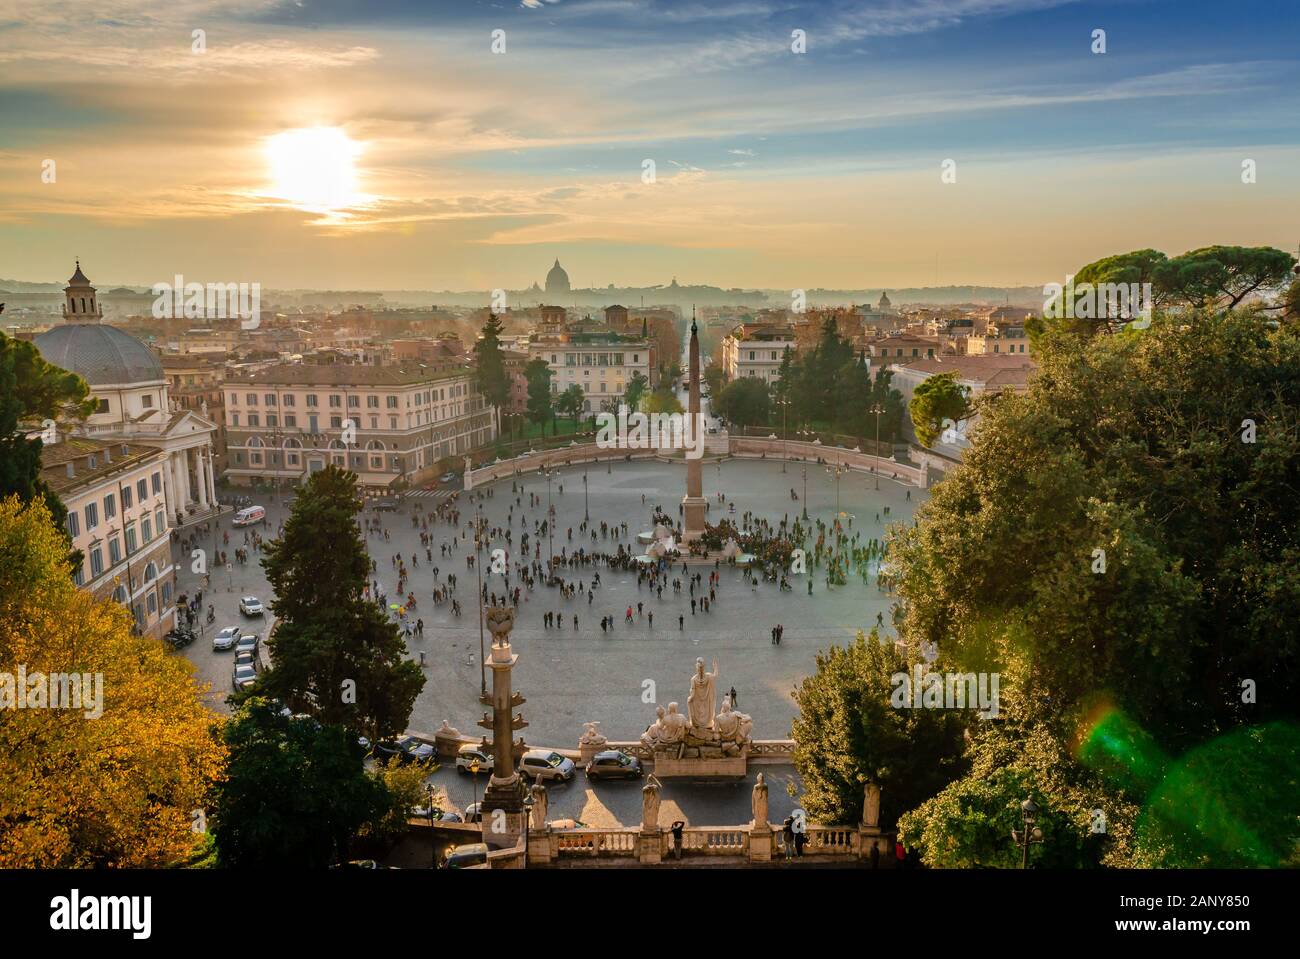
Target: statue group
{"type": "Point", "coordinates": [700, 733]}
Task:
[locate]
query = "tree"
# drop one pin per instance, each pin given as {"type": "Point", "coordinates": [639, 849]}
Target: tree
{"type": "Point", "coordinates": [335, 654]}
{"type": "Point", "coordinates": [936, 399]}
{"type": "Point", "coordinates": [635, 390]}
{"type": "Point", "coordinates": [491, 376]}
{"type": "Point", "coordinates": [570, 402]}
{"type": "Point", "coordinates": [714, 377]}
{"type": "Point", "coordinates": [1119, 545]}
{"type": "Point", "coordinates": [81, 790]}
{"type": "Point", "coordinates": [744, 401]}
{"type": "Point", "coordinates": [31, 391]}
{"type": "Point", "coordinates": [662, 400]}
{"type": "Point", "coordinates": [295, 794]}
{"type": "Point", "coordinates": [1092, 281]}
{"type": "Point", "coordinates": [848, 734]}
{"type": "Point", "coordinates": [540, 409]}
{"type": "Point", "coordinates": [1224, 275]}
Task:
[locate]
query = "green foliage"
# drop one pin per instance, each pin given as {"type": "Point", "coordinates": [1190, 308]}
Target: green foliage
{"type": "Point", "coordinates": [745, 401]}
{"type": "Point", "coordinates": [570, 403]}
{"type": "Point", "coordinates": [635, 390]}
{"type": "Point", "coordinates": [490, 365]}
{"type": "Point", "coordinates": [1132, 445]}
{"type": "Point", "coordinates": [1224, 275]}
{"type": "Point", "coordinates": [848, 734]}
{"type": "Point", "coordinates": [335, 654]}
{"type": "Point", "coordinates": [540, 403]}
{"type": "Point", "coordinates": [296, 792]}
{"type": "Point", "coordinates": [662, 400]}
{"type": "Point", "coordinates": [714, 378]}
{"type": "Point", "coordinates": [935, 399]}
{"type": "Point", "coordinates": [405, 789]}
{"type": "Point", "coordinates": [32, 390]}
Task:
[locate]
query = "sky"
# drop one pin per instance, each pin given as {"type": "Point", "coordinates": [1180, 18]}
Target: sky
{"type": "Point", "coordinates": [639, 140]}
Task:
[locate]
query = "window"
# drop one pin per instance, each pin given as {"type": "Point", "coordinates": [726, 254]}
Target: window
{"type": "Point", "coordinates": [79, 576]}
{"type": "Point", "coordinates": [290, 420]}
{"type": "Point", "coordinates": [392, 422]}
{"type": "Point", "coordinates": [110, 506]}
{"type": "Point", "coordinates": [130, 539]}
{"type": "Point", "coordinates": [336, 401]}
{"type": "Point", "coordinates": [234, 399]}
{"type": "Point", "coordinates": [96, 562]}
{"type": "Point", "coordinates": [167, 594]}
{"type": "Point", "coordinates": [392, 402]}
{"type": "Point", "coordinates": [372, 402]}
{"type": "Point", "coordinates": [160, 520]}
{"type": "Point", "coordinates": [268, 399]}
{"type": "Point", "coordinates": [234, 419]}
{"type": "Point", "coordinates": [354, 402]}
{"type": "Point", "coordinates": [289, 400]}
{"type": "Point", "coordinates": [251, 399]}
{"type": "Point", "coordinates": [114, 551]}
{"type": "Point", "coordinates": [152, 602]}
{"type": "Point", "coordinates": [126, 498]}
{"type": "Point", "coordinates": [374, 422]}
{"type": "Point", "coordinates": [147, 401]}
{"type": "Point", "coordinates": [146, 530]}
{"type": "Point", "coordinates": [253, 420]}
{"type": "Point", "coordinates": [103, 407]}
{"type": "Point", "coordinates": [336, 422]}
{"type": "Point", "coordinates": [157, 483]}
{"type": "Point", "coordinates": [74, 524]}
{"type": "Point", "coordinates": [270, 419]}
{"type": "Point", "coordinates": [92, 515]}
{"type": "Point", "coordinates": [311, 399]}
{"type": "Point", "coordinates": [141, 489]}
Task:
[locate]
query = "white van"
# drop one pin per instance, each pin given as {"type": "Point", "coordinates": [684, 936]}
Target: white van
{"type": "Point", "coordinates": [249, 516]}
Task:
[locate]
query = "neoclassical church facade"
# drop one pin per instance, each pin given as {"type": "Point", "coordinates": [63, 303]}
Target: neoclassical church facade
{"type": "Point", "coordinates": [128, 383]}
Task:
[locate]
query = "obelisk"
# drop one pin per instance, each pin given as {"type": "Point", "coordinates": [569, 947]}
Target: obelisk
{"type": "Point", "coordinates": [693, 504]}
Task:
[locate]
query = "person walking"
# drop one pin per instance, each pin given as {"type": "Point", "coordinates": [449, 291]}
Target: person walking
{"type": "Point", "coordinates": [733, 697]}
{"type": "Point", "coordinates": [677, 828]}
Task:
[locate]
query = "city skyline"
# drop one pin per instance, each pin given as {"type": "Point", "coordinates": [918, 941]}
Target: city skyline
{"type": "Point", "coordinates": [345, 145]}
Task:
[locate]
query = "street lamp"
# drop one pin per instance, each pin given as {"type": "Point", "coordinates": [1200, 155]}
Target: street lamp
{"type": "Point", "coordinates": [877, 409]}
{"type": "Point", "coordinates": [550, 523]}
{"type": "Point", "coordinates": [586, 514]}
{"type": "Point", "coordinates": [1030, 834]}
{"type": "Point", "coordinates": [805, 492]}
{"type": "Point", "coordinates": [478, 597]}
{"type": "Point", "coordinates": [838, 470]}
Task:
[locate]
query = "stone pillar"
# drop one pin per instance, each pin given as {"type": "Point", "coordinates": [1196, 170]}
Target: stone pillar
{"type": "Point", "coordinates": [201, 478]}
{"type": "Point", "coordinates": [169, 492]}
{"type": "Point", "coordinates": [650, 846]}
{"type": "Point", "coordinates": [760, 842]}
{"type": "Point", "coordinates": [694, 504]}
{"type": "Point", "coordinates": [212, 477]}
{"type": "Point", "coordinates": [505, 790]}
{"type": "Point", "coordinates": [178, 481]}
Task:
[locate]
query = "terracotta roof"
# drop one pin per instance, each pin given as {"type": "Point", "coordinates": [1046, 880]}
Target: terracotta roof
{"type": "Point", "coordinates": [1002, 370]}
{"type": "Point", "coordinates": [344, 374]}
{"type": "Point", "coordinates": [76, 449]}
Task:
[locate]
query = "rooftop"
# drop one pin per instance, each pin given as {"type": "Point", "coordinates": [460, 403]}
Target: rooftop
{"type": "Point", "coordinates": [345, 374]}
{"type": "Point", "coordinates": [77, 450]}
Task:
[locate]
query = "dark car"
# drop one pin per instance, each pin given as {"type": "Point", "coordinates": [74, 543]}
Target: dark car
{"type": "Point", "coordinates": [462, 857]}
{"type": "Point", "coordinates": [408, 749]}
{"type": "Point", "coordinates": [613, 764]}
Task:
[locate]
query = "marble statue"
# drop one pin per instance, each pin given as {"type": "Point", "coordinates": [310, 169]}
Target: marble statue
{"type": "Point", "coordinates": [758, 801]}
{"type": "Point", "coordinates": [591, 736]}
{"type": "Point", "coordinates": [540, 802]}
{"type": "Point", "coordinates": [500, 621]}
{"type": "Point", "coordinates": [675, 726]}
{"type": "Point", "coordinates": [732, 725]}
{"type": "Point", "coordinates": [654, 735]}
{"type": "Point", "coordinates": [703, 697]}
{"type": "Point", "coordinates": [871, 805]}
{"type": "Point", "coordinates": [446, 729]}
{"type": "Point", "coordinates": [650, 804]}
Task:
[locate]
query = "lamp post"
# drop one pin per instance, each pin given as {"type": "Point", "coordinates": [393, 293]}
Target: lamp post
{"type": "Point", "coordinates": [478, 597]}
{"type": "Point", "coordinates": [838, 470]}
{"type": "Point", "coordinates": [805, 492]}
{"type": "Point", "coordinates": [784, 403]}
{"type": "Point", "coordinates": [586, 513]}
{"type": "Point", "coordinates": [550, 524]}
{"type": "Point", "coordinates": [877, 409]}
{"type": "Point", "coordinates": [1030, 834]}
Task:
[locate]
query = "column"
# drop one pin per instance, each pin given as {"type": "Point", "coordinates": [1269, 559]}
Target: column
{"type": "Point", "coordinates": [182, 481]}
{"type": "Point", "coordinates": [201, 477]}
{"type": "Point", "coordinates": [169, 491]}
{"type": "Point", "coordinates": [212, 481]}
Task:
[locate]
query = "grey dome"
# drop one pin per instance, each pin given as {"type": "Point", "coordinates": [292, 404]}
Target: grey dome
{"type": "Point", "coordinates": [100, 354]}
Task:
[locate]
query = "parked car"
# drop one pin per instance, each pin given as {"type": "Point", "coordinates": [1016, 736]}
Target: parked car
{"type": "Point", "coordinates": [548, 764]}
{"type": "Point", "coordinates": [244, 676]}
{"type": "Point", "coordinates": [462, 857]}
{"type": "Point", "coordinates": [614, 764]}
{"type": "Point", "coordinates": [248, 643]}
{"type": "Point", "coordinates": [447, 478]}
{"type": "Point", "coordinates": [226, 638]}
{"type": "Point", "coordinates": [415, 751]}
{"type": "Point", "coordinates": [469, 756]}
{"type": "Point", "coordinates": [246, 657]}
{"type": "Point", "coordinates": [474, 812]}
{"type": "Point", "coordinates": [251, 606]}
{"type": "Point", "coordinates": [387, 503]}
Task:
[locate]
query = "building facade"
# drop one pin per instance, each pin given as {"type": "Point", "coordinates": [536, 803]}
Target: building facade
{"type": "Point", "coordinates": [390, 425]}
{"type": "Point", "coordinates": [118, 519]}
{"type": "Point", "coordinates": [600, 361]}
{"type": "Point", "coordinates": [756, 350]}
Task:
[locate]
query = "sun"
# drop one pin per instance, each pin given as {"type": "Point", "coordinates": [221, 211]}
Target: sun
{"type": "Point", "coordinates": [314, 168]}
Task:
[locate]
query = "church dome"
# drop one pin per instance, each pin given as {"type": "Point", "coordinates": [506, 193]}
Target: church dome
{"type": "Point", "coordinates": [557, 281]}
{"type": "Point", "coordinates": [884, 303]}
{"type": "Point", "coordinates": [100, 354]}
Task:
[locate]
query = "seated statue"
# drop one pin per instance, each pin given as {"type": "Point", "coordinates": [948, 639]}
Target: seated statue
{"type": "Point", "coordinates": [654, 733]}
{"type": "Point", "coordinates": [732, 725]}
{"type": "Point", "coordinates": [675, 726]}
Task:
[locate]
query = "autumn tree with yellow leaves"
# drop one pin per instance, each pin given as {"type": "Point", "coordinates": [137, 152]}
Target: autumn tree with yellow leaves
{"type": "Point", "coordinates": [119, 790]}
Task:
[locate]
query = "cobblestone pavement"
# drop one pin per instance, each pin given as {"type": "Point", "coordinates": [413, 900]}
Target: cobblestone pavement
{"type": "Point", "coordinates": [570, 676]}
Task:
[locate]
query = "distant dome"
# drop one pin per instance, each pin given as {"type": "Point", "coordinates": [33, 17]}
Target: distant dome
{"type": "Point", "coordinates": [884, 303]}
{"type": "Point", "coordinates": [557, 281]}
{"type": "Point", "coordinates": [101, 354]}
